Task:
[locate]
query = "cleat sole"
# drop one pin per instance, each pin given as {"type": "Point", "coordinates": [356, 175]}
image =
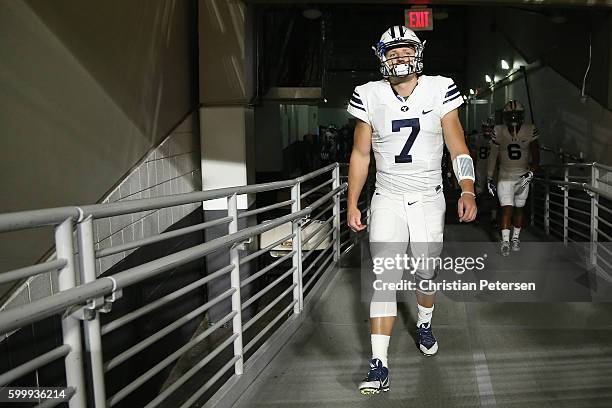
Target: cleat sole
{"type": "Point", "coordinates": [431, 352]}
{"type": "Point", "coordinates": [369, 391]}
{"type": "Point", "coordinates": [372, 391]}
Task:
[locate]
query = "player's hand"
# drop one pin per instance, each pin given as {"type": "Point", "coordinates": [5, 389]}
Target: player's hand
{"type": "Point", "coordinates": [491, 187]}
{"type": "Point", "coordinates": [466, 208]}
{"type": "Point", "coordinates": [354, 219]}
{"type": "Point", "coordinates": [524, 180]}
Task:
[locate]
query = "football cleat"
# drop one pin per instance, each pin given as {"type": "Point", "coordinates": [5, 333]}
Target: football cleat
{"type": "Point", "coordinates": [377, 379]}
{"type": "Point", "coordinates": [516, 244]}
{"type": "Point", "coordinates": [505, 248]}
{"type": "Point", "coordinates": [427, 342]}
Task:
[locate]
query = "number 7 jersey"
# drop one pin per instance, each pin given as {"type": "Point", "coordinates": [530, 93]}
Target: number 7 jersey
{"type": "Point", "coordinates": [407, 135]}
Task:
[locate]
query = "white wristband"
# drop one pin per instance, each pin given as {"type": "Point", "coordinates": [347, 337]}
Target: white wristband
{"type": "Point", "coordinates": [468, 192]}
{"type": "Point", "coordinates": [463, 165]}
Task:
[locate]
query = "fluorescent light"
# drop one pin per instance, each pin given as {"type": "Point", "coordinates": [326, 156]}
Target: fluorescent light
{"type": "Point", "coordinates": [312, 13]}
{"type": "Point", "coordinates": [504, 64]}
{"type": "Point", "coordinates": [488, 79]}
{"type": "Point", "coordinates": [471, 91]}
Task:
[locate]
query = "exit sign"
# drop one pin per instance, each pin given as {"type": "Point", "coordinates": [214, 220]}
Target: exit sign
{"type": "Point", "coordinates": [419, 19]}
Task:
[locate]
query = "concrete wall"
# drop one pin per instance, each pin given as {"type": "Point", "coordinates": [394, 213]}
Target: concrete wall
{"type": "Point", "coordinates": [493, 35]}
{"type": "Point", "coordinates": [226, 88]}
{"type": "Point", "coordinates": [87, 90]}
{"type": "Point", "coordinates": [565, 120]}
{"type": "Point", "coordinates": [171, 168]}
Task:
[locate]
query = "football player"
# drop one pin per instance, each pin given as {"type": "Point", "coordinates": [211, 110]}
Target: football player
{"type": "Point", "coordinates": [405, 118]}
{"type": "Point", "coordinates": [480, 147]}
{"type": "Point", "coordinates": [516, 144]}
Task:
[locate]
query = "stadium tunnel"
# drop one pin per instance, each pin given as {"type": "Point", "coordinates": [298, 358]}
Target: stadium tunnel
{"type": "Point", "coordinates": [173, 216]}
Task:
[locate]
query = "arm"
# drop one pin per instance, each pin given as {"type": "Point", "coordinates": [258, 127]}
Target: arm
{"type": "Point", "coordinates": [453, 136]}
{"type": "Point", "coordinates": [358, 172]}
{"type": "Point", "coordinates": [492, 161]}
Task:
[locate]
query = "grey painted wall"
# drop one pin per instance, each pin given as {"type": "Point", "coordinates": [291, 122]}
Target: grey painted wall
{"type": "Point", "coordinates": [493, 34]}
{"type": "Point", "coordinates": [87, 90]}
{"type": "Point", "coordinates": [173, 167]}
{"type": "Point", "coordinates": [564, 119]}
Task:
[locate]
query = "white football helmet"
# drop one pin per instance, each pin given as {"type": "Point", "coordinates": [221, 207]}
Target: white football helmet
{"type": "Point", "coordinates": [397, 37]}
{"type": "Point", "coordinates": [514, 113]}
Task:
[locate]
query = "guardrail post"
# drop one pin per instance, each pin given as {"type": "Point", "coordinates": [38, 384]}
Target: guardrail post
{"type": "Point", "coordinates": [546, 203]}
{"type": "Point", "coordinates": [71, 328]}
{"type": "Point", "coordinates": [565, 206]}
{"type": "Point", "coordinates": [336, 184]}
{"type": "Point", "coordinates": [296, 229]}
{"type": "Point", "coordinates": [594, 214]}
{"type": "Point", "coordinates": [93, 336]}
{"type": "Point", "coordinates": [532, 205]}
{"type": "Point", "coordinates": [232, 211]}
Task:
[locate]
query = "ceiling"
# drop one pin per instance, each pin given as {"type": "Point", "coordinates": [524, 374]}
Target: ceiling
{"type": "Point", "coordinates": [551, 3]}
{"type": "Point", "coordinates": [334, 51]}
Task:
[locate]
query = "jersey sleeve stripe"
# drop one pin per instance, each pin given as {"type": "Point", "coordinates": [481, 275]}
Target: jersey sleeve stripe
{"type": "Point", "coordinates": [355, 93]}
{"type": "Point", "coordinates": [451, 92]}
{"type": "Point", "coordinates": [356, 100]}
{"type": "Point", "coordinates": [451, 99]}
{"type": "Point", "coordinates": [356, 106]}
{"type": "Point", "coordinates": [452, 86]}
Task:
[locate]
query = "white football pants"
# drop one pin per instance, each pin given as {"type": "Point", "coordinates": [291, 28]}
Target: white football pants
{"type": "Point", "coordinates": [510, 194]}
{"type": "Point", "coordinates": [397, 221]}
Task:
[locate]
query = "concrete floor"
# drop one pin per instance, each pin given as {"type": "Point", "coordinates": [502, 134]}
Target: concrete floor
{"type": "Point", "coordinates": [491, 354]}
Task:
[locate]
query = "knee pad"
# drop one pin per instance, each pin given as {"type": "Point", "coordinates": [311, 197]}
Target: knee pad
{"type": "Point", "coordinates": [383, 309]}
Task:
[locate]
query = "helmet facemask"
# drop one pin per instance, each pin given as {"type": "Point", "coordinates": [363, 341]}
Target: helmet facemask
{"type": "Point", "coordinates": [513, 115]}
{"type": "Point", "coordinates": [413, 64]}
{"type": "Point", "coordinates": [487, 130]}
{"type": "Point", "coordinates": [514, 119]}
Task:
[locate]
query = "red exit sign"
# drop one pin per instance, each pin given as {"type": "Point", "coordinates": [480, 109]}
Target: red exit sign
{"type": "Point", "coordinates": [419, 19]}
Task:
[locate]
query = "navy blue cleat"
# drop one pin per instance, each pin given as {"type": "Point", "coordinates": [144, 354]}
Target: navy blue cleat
{"type": "Point", "coordinates": [427, 342]}
{"type": "Point", "coordinates": [377, 379]}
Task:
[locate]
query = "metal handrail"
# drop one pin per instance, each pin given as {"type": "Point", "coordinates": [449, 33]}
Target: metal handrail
{"type": "Point", "coordinates": [160, 237]}
{"type": "Point", "coordinates": [128, 317]}
{"type": "Point", "coordinates": [577, 186]}
{"type": "Point", "coordinates": [33, 364]}
{"type": "Point", "coordinates": [570, 221]}
{"type": "Point", "coordinates": [32, 270]}
{"type": "Point", "coordinates": [31, 312]}
{"type": "Point", "coordinates": [53, 216]}
{"type": "Point", "coordinates": [80, 304]}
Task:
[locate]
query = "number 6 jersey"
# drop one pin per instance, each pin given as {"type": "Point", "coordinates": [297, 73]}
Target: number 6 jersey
{"type": "Point", "coordinates": [513, 150]}
{"type": "Point", "coordinates": [406, 132]}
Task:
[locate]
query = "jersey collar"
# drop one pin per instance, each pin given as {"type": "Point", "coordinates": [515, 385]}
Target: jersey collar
{"type": "Point", "coordinates": [404, 99]}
